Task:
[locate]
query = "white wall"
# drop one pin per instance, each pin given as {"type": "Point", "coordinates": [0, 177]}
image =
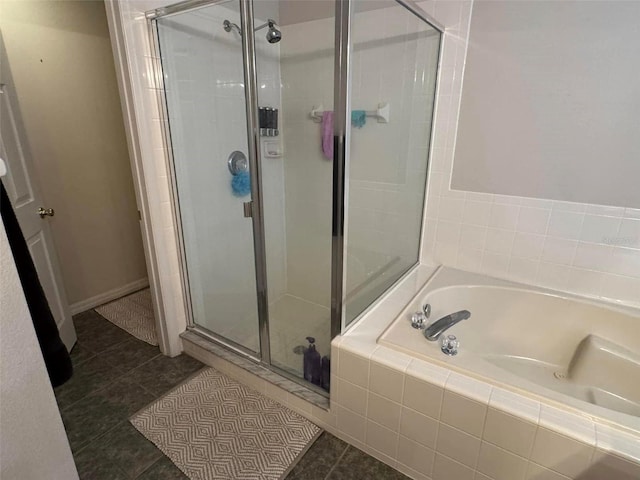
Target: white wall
{"type": "Point", "coordinates": [550, 102]}
{"type": "Point", "coordinates": [33, 443]}
{"type": "Point", "coordinates": [585, 249]}
{"type": "Point", "coordinates": [62, 66]}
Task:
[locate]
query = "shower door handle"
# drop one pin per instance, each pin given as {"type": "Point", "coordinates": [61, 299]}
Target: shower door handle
{"type": "Point", "coordinates": [248, 209]}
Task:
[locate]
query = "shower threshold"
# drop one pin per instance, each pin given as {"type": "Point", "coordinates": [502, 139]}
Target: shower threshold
{"type": "Point", "coordinates": [207, 350]}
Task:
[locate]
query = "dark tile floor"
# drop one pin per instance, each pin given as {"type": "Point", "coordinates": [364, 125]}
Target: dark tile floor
{"type": "Point", "coordinates": [116, 375]}
{"type": "Point", "coordinates": [332, 459]}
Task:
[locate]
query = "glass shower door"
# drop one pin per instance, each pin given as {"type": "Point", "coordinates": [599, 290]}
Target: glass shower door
{"type": "Point", "coordinates": [203, 72]}
{"type": "Point", "coordinates": [294, 75]}
{"type": "Point", "coordinates": [388, 160]}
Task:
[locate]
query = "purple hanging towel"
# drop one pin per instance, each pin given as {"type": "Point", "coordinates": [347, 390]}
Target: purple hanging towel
{"type": "Point", "coordinates": [327, 135]}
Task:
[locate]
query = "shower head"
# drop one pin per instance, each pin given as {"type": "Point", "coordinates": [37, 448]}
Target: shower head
{"type": "Point", "coordinates": [273, 34]}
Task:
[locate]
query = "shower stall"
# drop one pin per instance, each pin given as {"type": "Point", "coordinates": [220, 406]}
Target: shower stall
{"type": "Point", "coordinates": [299, 136]}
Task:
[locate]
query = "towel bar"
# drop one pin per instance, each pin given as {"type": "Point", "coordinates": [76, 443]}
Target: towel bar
{"type": "Point", "coordinates": [381, 113]}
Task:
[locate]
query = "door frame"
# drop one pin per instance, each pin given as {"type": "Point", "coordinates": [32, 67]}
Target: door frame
{"type": "Point", "coordinates": [169, 344]}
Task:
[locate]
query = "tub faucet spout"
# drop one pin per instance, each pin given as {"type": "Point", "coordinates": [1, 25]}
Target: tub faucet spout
{"type": "Point", "coordinates": [433, 331]}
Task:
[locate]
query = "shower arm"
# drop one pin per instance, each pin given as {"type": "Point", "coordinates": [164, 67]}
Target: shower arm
{"type": "Point", "coordinates": [269, 23]}
{"type": "Point", "coordinates": [228, 26]}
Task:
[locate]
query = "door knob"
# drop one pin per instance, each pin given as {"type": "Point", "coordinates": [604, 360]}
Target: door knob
{"type": "Point", "coordinates": [45, 212]}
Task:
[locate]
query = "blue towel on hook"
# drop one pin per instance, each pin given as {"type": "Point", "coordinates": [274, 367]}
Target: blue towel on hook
{"type": "Point", "coordinates": [358, 118]}
{"type": "Point", "coordinates": [241, 184]}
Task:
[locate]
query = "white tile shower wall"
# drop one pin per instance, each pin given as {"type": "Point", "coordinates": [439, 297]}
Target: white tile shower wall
{"type": "Point", "coordinates": [394, 64]}
{"type": "Point", "coordinates": [206, 119]}
{"type": "Point", "coordinates": [273, 188]}
{"type": "Point", "coordinates": [307, 79]}
{"type": "Point", "coordinates": [388, 161]}
{"type": "Point", "coordinates": [588, 250]}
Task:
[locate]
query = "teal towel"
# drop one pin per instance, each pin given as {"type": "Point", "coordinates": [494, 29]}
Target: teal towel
{"type": "Point", "coordinates": [358, 118]}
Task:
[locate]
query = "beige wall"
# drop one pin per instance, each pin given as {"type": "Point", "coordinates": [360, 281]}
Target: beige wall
{"type": "Point", "coordinates": [62, 64]}
{"type": "Point", "coordinates": [550, 102]}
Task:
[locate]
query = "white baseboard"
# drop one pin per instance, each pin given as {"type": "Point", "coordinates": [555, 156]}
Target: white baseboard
{"type": "Point", "coordinates": [107, 297]}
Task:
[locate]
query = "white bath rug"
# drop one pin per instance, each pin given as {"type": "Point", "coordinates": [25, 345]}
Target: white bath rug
{"type": "Point", "coordinates": [213, 427]}
{"type": "Point", "coordinates": [134, 314]}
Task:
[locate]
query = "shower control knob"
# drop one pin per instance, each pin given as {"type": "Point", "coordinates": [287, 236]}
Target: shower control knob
{"type": "Point", "coordinates": [419, 320]}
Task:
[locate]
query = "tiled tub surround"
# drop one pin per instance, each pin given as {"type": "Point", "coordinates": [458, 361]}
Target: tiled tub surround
{"type": "Point", "coordinates": [588, 250]}
{"type": "Point", "coordinates": [578, 353]}
{"type": "Point", "coordinates": [434, 423]}
{"type": "Point", "coordinates": [429, 421]}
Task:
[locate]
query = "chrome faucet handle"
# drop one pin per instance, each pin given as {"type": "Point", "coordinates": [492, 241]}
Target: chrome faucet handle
{"type": "Point", "coordinates": [419, 320]}
{"type": "Point", "coordinates": [449, 345]}
{"type": "Point", "coordinates": [426, 309]}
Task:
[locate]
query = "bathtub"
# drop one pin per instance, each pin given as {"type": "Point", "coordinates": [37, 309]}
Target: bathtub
{"type": "Point", "coordinates": [557, 348]}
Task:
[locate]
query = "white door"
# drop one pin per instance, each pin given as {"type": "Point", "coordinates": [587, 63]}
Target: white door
{"type": "Point", "coordinates": [26, 199]}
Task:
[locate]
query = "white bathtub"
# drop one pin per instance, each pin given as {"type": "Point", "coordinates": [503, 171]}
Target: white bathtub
{"type": "Point", "coordinates": [570, 351]}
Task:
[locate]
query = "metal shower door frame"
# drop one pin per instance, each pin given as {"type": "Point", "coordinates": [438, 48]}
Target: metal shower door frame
{"type": "Point", "coordinates": [341, 157]}
{"type": "Point", "coordinates": [342, 87]}
{"type": "Point", "coordinates": [254, 154]}
{"type": "Point", "coordinates": [156, 61]}
{"type": "Point", "coordinates": [341, 139]}
{"type": "Point", "coordinates": [341, 143]}
{"type": "Point", "coordinates": [255, 167]}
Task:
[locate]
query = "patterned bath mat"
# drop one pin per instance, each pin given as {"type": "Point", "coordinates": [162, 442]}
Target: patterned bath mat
{"type": "Point", "coordinates": [133, 314]}
{"type": "Point", "coordinates": [213, 427]}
